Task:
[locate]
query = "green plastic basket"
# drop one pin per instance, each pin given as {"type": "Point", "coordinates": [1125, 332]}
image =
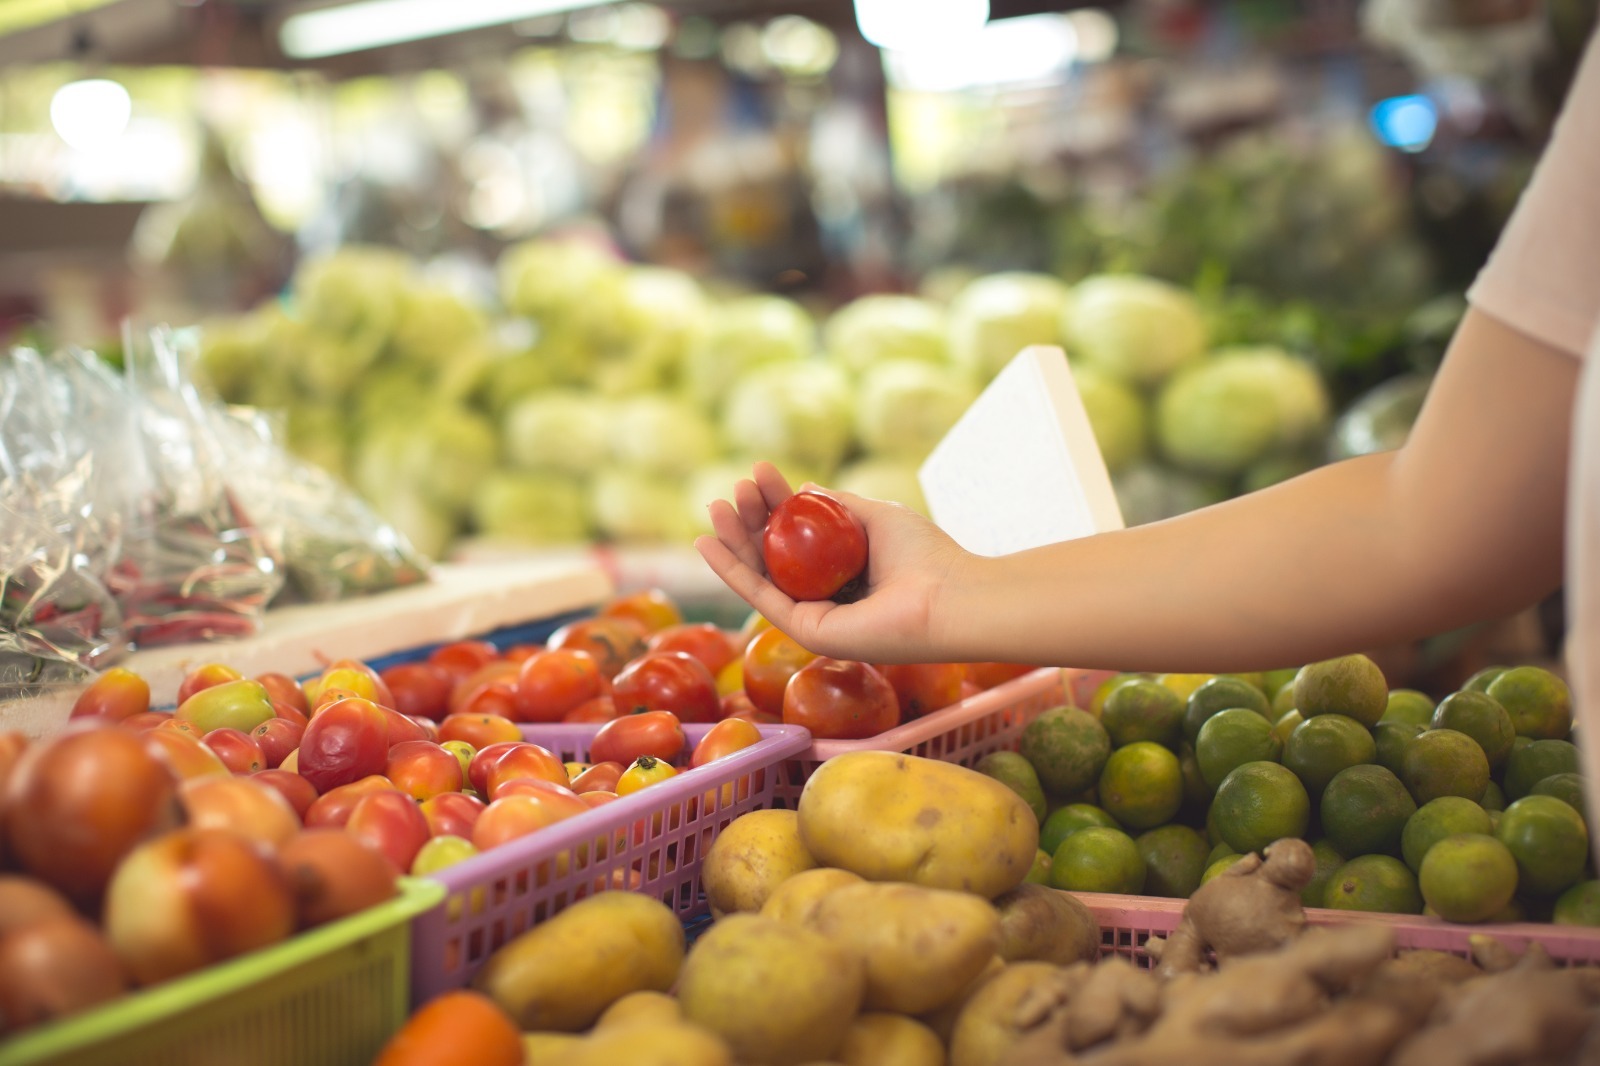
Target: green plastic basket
{"type": "Point", "coordinates": [330, 996]}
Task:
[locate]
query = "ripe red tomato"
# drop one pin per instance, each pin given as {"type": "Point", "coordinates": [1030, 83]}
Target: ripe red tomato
{"type": "Point", "coordinates": [421, 690]}
{"type": "Point", "coordinates": [498, 671]}
{"type": "Point", "coordinates": [837, 699]}
{"type": "Point", "coordinates": [772, 658]}
{"type": "Point", "coordinates": [924, 687]}
{"type": "Point", "coordinates": [650, 610]}
{"type": "Point", "coordinates": [462, 657]}
{"type": "Point", "coordinates": [612, 641]}
{"type": "Point", "coordinates": [498, 698]}
{"type": "Point", "coordinates": [347, 741]}
{"type": "Point", "coordinates": [524, 761]}
{"type": "Point", "coordinates": [668, 681]}
{"type": "Point", "coordinates": [725, 738]}
{"type": "Point", "coordinates": [707, 642]}
{"type": "Point", "coordinates": [988, 675]}
{"type": "Point", "coordinates": [479, 730]}
{"type": "Point", "coordinates": [813, 546]}
{"type": "Point", "coordinates": [554, 682]}
{"type": "Point", "coordinates": [601, 777]}
{"type": "Point", "coordinates": [117, 694]}
{"type": "Point", "coordinates": [622, 740]}
{"type": "Point", "coordinates": [286, 690]}
{"type": "Point", "coordinates": [599, 709]}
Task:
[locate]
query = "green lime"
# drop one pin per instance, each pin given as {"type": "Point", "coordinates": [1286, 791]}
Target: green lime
{"type": "Point", "coordinates": [1196, 793]}
{"type": "Point", "coordinates": [1328, 862]}
{"type": "Point", "coordinates": [1494, 798]}
{"type": "Point", "coordinates": [1142, 785]}
{"type": "Point", "coordinates": [1468, 877]}
{"type": "Point", "coordinates": [1550, 843]}
{"type": "Point", "coordinates": [1039, 872]}
{"type": "Point", "coordinates": [1253, 677]}
{"type": "Point", "coordinates": [1538, 759]}
{"type": "Point", "coordinates": [1409, 705]}
{"type": "Point", "coordinates": [1098, 859]}
{"type": "Point", "coordinates": [1016, 773]}
{"type": "Point", "coordinates": [1566, 787]}
{"type": "Point", "coordinates": [1285, 724]}
{"type": "Point", "coordinates": [1221, 694]}
{"type": "Point", "coordinates": [1351, 685]}
{"type": "Point", "coordinates": [1275, 681]}
{"type": "Point", "coordinates": [1064, 821]}
{"type": "Point", "coordinates": [1579, 905]}
{"type": "Point", "coordinates": [1174, 858]}
{"type": "Point", "coordinates": [1364, 810]}
{"type": "Point", "coordinates": [1097, 702]}
{"type": "Point", "coordinates": [1220, 851]}
{"type": "Point", "coordinates": [1391, 739]}
{"type": "Point", "coordinates": [1184, 684]}
{"type": "Point", "coordinates": [1374, 883]}
{"type": "Point", "coordinates": [1231, 738]}
{"type": "Point", "coordinates": [1480, 681]}
{"type": "Point", "coordinates": [1444, 762]}
{"type": "Point", "coordinates": [1143, 710]}
{"type": "Point", "coordinates": [1539, 702]}
{"type": "Point", "coordinates": [1482, 719]}
{"type": "Point", "coordinates": [1283, 700]}
{"type": "Point", "coordinates": [1321, 746]}
{"type": "Point", "coordinates": [1216, 868]}
{"type": "Point", "coordinates": [1437, 819]}
{"type": "Point", "coordinates": [1068, 749]}
{"type": "Point", "coordinates": [1258, 803]}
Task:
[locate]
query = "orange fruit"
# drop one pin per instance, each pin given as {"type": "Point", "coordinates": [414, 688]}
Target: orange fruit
{"type": "Point", "coordinates": [461, 1028]}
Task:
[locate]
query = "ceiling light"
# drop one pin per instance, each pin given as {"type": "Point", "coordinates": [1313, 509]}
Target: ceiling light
{"type": "Point", "coordinates": [355, 27]}
{"type": "Point", "coordinates": [910, 25]}
{"type": "Point", "coordinates": [90, 114]}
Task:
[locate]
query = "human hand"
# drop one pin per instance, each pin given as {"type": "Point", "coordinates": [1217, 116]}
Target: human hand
{"type": "Point", "coordinates": [909, 561]}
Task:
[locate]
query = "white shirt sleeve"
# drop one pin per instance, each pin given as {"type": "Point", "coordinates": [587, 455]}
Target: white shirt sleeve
{"type": "Point", "coordinates": [1543, 278]}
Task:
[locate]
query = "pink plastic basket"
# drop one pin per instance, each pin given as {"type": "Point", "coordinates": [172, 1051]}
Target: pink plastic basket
{"type": "Point", "coordinates": [1126, 922]}
{"type": "Point", "coordinates": [962, 733]}
{"type": "Point", "coordinates": [653, 841]}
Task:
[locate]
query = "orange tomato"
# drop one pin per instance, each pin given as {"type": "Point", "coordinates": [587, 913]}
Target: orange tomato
{"type": "Point", "coordinates": [455, 1029]}
{"type": "Point", "coordinates": [725, 738]}
{"type": "Point", "coordinates": [650, 610]}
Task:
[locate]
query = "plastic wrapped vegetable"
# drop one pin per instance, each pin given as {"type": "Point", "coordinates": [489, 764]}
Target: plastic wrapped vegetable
{"type": "Point", "coordinates": [1134, 328]}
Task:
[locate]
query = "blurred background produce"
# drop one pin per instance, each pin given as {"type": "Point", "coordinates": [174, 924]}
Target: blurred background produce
{"type": "Point", "coordinates": [555, 281]}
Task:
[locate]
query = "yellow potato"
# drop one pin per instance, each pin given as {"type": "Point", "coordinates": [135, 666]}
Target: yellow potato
{"type": "Point", "coordinates": [921, 946]}
{"type": "Point", "coordinates": [894, 817]}
{"type": "Point", "coordinates": [986, 1030]}
{"type": "Point", "coordinates": [1047, 924]}
{"type": "Point", "coordinates": [652, 1044]}
{"type": "Point", "coordinates": [564, 972]}
{"type": "Point", "coordinates": [752, 856]}
{"type": "Point", "coordinates": [890, 1040]}
{"type": "Point", "coordinates": [540, 1048]}
{"type": "Point", "coordinates": [795, 900]}
{"type": "Point", "coordinates": [640, 1008]}
{"type": "Point", "coordinates": [777, 993]}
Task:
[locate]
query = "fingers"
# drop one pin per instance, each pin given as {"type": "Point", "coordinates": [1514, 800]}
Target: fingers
{"type": "Point", "coordinates": [733, 533]}
{"type": "Point", "coordinates": [774, 487]}
{"type": "Point", "coordinates": [750, 584]}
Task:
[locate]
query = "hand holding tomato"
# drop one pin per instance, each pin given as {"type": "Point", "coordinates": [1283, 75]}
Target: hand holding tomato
{"type": "Point", "coordinates": [813, 547]}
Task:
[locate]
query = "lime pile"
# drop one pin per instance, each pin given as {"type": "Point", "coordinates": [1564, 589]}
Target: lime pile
{"type": "Point", "coordinates": [1470, 808]}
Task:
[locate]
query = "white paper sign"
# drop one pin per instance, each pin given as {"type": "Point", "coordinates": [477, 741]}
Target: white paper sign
{"type": "Point", "coordinates": [1021, 468]}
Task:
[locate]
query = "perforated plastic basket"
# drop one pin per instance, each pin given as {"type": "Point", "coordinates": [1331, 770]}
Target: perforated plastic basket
{"type": "Point", "coordinates": [653, 841]}
{"type": "Point", "coordinates": [327, 997]}
{"type": "Point", "coordinates": [963, 733]}
{"type": "Point", "coordinates": [1126, 922]}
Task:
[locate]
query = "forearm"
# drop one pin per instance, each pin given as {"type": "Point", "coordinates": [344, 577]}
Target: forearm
{"type": "Point", "coordinates": [1463, 524]}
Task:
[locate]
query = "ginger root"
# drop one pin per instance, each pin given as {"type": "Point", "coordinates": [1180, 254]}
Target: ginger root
{"type": "Point", "coordinates": [1252, 906]}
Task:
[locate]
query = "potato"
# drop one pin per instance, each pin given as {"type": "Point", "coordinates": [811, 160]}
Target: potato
{"type": "Point", "coordinates": [652, 1044]}
{"type": "Point", "coordinates": [1047, 924]}
{"type": "Point", "coordinates": [795, 900]}
{"type": "Point", "coordinates": [549, 1047]}
{"type": "Point", "coordinates": [986, 1029]}
{"type": "Point", "coordinates": [752, 856]}
{"type": "Point", "coordinates": [921, 946]}
{"type": "Point", "coordinates": [777, 993]}
{"type": "Point", "coordinates": [943, 1019]}
{"type": "Point", "coordinates": [564, 972]}
{"type": "Point", "coordinates": [894, 817]}
{"type": "Point", "coordinates": [640, 1008]}
{"type": "Point", "coordinates": [890, 1040]}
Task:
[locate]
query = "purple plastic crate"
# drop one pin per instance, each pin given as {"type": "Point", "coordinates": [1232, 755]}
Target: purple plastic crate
{"type": "Point", "coordinates": [653, 841]}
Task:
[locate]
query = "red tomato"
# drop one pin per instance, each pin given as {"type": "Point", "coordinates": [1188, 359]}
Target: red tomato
{"type": "Point", "coordinates": [524, 760]}
{"type": "Point", "coordinates": [651, 610]}
{"type": "Point", "coordinates": [238, 750]}
{"type": "Point", "coordinates": [599, 709]}
{"type": "Point", "coordinates": [755, 717]}
{"type": "Point", "coordinates": [772, 658]}
{"type": "Point", "coordinates": [452, 814]}
{"type": "Point", "coordinates": [519, 653]}
{"type": "Point", "coordinates": [138, 723]}
{"type": "Point", "coordinates": [813, 546]}
{"type": "Point", "coordinates": [837, 699]}
{"type": "Point", "coordinates": [462, 657]}
{"type": "Point", "coordinates": [737, 705]}
{"type": "Point", "coordinates": [479, 730]}
{"type": "Point", "coordinates": [492, 697]}
{"type": "Point", "coordinates": [668, 681]}
{"type": "Point", "coordinates": [706, 642]}
{"type": "Point", "coordinates": [392, 823]}
{"type": "Point", "coordinates": [552, 683]}
{"type": "Point", "coordinates": [207, 675]}
{"type": "Point", "coordinates": [923, 688]}
{"type": "Point", "coordinates": [612, 642]}
{"type": "Point", "coordinates": [422, 769]}
{"type": "Point", "coordinates": [290, 713]}
{"type": "Point", "coordinates": [988, 675]}
{"type": "Point", "coordinates": [117, 694]}
{"type": "Point", "coordinates": [483, 761]}
{"type": "Point", "coordinates": [496, 671]}
{"type": "Point", "coordinates": [601, 777]}
{"type": "Point", "coordinates": [522, 813]}
{"type": "Point", "coordinates": [291, 786]}
{"type": "Point", "coordinates": [622, 740]}
{"type": "Point", "coordinates": [401, 728]}
{"type": "Point", "coordinates": [345, 742]}
{"type": "Point", "coordinates": [277, 737]}
{"type": "Point", "coordinates": [421, 690]}
{"type": "Point", "coordinates": [333, 807]}
{"type": "Point", "coordinates": [724, 738]}
{"type": "Point", "coordinates": [286, 690]}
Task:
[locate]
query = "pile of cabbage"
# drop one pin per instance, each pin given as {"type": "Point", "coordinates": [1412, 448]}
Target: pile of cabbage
{"type": "Point", "coordinates": [576, 397]}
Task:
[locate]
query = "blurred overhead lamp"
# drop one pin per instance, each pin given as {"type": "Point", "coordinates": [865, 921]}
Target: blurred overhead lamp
{"type": "Point", "coordinates": [355, 27]}
{"type": "Point", "coordinates": [90, 114]}
{"type": "Point", "coordinates": [909, 25]}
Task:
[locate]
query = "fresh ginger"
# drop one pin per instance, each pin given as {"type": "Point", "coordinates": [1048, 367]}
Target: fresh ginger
{"type": "Point", "coordinates": [1252, 906]}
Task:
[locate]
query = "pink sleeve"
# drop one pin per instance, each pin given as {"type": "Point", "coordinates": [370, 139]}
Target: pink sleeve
{"type": "Point", "coordinates": [1543, 278]}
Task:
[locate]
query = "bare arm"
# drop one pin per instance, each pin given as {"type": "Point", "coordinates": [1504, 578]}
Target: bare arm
{"type": "Point", "coordinates": [1463, 523]}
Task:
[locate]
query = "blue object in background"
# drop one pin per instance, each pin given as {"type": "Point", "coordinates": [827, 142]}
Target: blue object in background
{"type": "Point", "coordinates": [1405, 122]}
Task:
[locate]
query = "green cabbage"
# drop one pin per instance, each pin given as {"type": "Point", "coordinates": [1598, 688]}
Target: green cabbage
{"type": "Point", "coordinates": [998, 315]}
{"type": "Point", "coordinates": [743, 333]}
{"type": "Point", "coordinates": [1222, 414]}
{"type": "Point", "coordinates": [351, 297]}
{"type": "Point", "coordinates": [905, 406]}
{"type": "Point", "coordinates": [1134, 328]}
{"type": "Point", "coordinates": [883, 479]}
{"type": "Point", "coordinates": [662, 435]}
{"type": "Point", "coordinates": [535, 508]}
{"type": "Point", "coordinates": [713, 481]}
{"type": "Point", "coordinates": [434, 324]}
{"type": "Point", "coordinates": [1117, 415]}
{"type": "Point", "coordinates": [642, 340]}
{"type": "Point", "coordinates": [559, 430]}
{"type": "Point", "coordinates": [553, 281]}
{"type": "Point", "coordinates": [875, 328]}
{"type": "Point", "coordinates": [441, 457]}
{"type": "Point", "coordinates": [631, 505]}
{"type": "Point", "coordinates": [794, 412]}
